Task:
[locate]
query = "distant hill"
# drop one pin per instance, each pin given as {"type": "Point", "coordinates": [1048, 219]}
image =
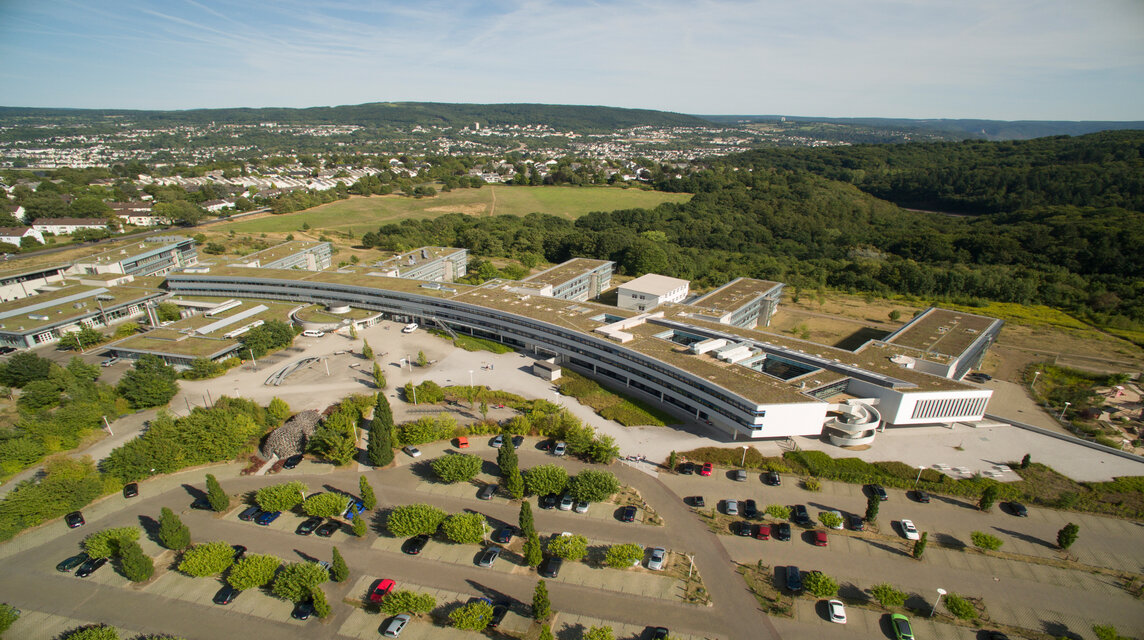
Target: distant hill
{"type": "Point", "coordinates": [960, 129]}
{"type": "Point", "coordinates": [383, 114]}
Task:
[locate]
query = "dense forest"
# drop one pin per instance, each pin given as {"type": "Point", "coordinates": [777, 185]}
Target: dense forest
{"type": "Point", "coordinates": [953, 129]}
{"type": "Point", "coordinates": [766, 214]}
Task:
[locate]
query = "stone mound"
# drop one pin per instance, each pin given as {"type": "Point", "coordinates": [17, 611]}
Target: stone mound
{"type": "Point", "coordinates": [290, 439]}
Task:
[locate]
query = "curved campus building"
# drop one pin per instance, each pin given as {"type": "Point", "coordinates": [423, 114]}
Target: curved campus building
{"type": "Point", "coordinates": [702, 358]}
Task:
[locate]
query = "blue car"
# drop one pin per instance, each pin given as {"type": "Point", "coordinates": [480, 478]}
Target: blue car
{"type": "Point", "coordinates": [266, 517]}
{"type": "Point", "coordinates": [354, 509]}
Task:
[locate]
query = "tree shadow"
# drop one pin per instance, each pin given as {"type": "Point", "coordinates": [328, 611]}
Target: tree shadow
{"type": "Point", "coordinates": [490, 468]}
{"type": "Point", "coordinates": [946, 540]}
{"type": "Point", "coordinates": [151, 528]}
{"type": "Point", "coordinates": [954, 502]}
{"type": "Point", "coordinates": [597, 556]}
{"type": "Point", "coordinates": [378, 522]}
{"type": "Point", "coordinates": [885, 547]}
{"type": "Point", "coordinates": [885, 626]}
{"type": "Point", "coordinates": [1057, 629]}
{"type": "Point", "coordinates": [305, 556]}
{"type": "Point", "coordinates": [852, 592]}
{"type": "Point", "coordinates": [1024, 537]}
{"type": "Point", "coordinates": [423, 470]}
{"type": "Point", "coordinates": [572, 632]}
{"type": "Point", "coordinates": [919, 603]}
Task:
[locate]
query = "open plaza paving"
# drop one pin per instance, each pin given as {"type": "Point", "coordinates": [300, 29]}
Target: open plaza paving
{"type": "Point", "coordinates": [1032, 586]}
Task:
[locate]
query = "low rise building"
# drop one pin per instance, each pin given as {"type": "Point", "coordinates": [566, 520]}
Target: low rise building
{"type": "Point", "coordinates": [650, 291]}
{"type": "Point", "coordinates": [67, 226]}
{"type": "Point", "coordinates": [576, 279]}
{"type": "Point", "coordinates": [68, 307]}
{"type": "Point", "coordinates": [437, 264]}
{"type": "Point", "coordinates": [296, 254]}
{"type": "Point", "coordinates": [13, 235]}
{"type": "Point", "coordinates": [155, 255]}
{"type": "Point", "coordinates": [743, 302]}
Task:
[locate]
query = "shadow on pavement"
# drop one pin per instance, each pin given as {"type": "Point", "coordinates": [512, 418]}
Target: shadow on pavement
{"type": "Point", "coordinates": [1024, 537]}
{"type": "Point", "coordinates": [946, 540]}
{"type": "Point", "coordinates": [151, 528]}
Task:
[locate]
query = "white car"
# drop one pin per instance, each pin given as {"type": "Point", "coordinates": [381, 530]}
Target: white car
{"type": "Point", "coordinates": [412, 452]}
{"type": "Point", "coordinates": [567, 502]}
{"type": "Point", "coordinates": [655, 561]}
{"type": "Point", "coordinates": [313, 333]}
{"type": "Point", "coordinates": [837, 611]}
{"type": "Point", "coordinates": [910, 531]}
{"type": "Point", "coordinates": [560, 448]}
{"type": "Point", "coordinates": [410, 328]}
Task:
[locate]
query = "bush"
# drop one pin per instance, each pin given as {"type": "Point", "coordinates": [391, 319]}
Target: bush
{"type": "Point", "coordinates": [983, 540]}
{"type": "Point", "coordinates": [413, 519]}
{"type": "Point", "coordinates": [572, 548]}
{"type": "Point", "coordinates": [541, 603]}
{"type": "Point", "coordinates": [150, 383]}
{"type": "Point", "coordinates": [359, 526]}
{"type": "Point", "coordinates": [960, 607]}
{"type": "Point", "coordinates": [778, 511]}
{"type": "Point", "coordinates": [820, 585]}
{"type": "Point", "coordinates": [474, 616]}
{"type": "Point", "coordinates": [321, 605]}
{"type": "Point", "coordinates": [599, 633]}
{"type": "Point", "coordinates": [296, 580]}
{"type": "Point", "coordinates": [465, 528]}
{"type": "Point", "coordinates": [426, 429]}
{"type": "Point", "coordinates": [109, 542]}
{"type": "Point", "coordinates": [280, 497]}
{"type": "Point", "coordinates": [91, 632]}
{"type": "Point", "coordinates": [830, 519]}
{"type": "Point", "coordinates": [1067, 535]}
{"type": "Point", "coordinates": [398, 602]}
{"type": "Point", "coordinates": [173, 534]}
{"type": "Point", "coordinates": [253, 571]}
{"type": "Point", "coordinates": [622, 556]}
{"type": "Point", "coordinates": [137, 566]}
{"type": "Point", "coordinates": [368, 498]}
{"type": "Point", "coordinates": [207, 559]}
{"type": "Point", "coordinates": [326, 505]}
{"type": "Point", "coordinates": [546, 478]}
{"type": "Point", "coordinates": [811, 484]}
{"type": "Point", "coordinates": [8, 616]}
{"type": "Point", "coordinates": [887, 595]}
{"type": "Point", "coordinates": [220, 502]}
{"type": "Point", "coordinates": [594, 486]}
{"type": "Point", "coordinates": [457, 468]}
{"type": "Point", "coordinates": [66, 485]}
{"type": "Point", "coordinates": [1107, 632]}
{"type": "Point", "coordinates": [533, 554]}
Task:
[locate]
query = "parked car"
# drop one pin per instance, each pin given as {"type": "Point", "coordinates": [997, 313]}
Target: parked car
{"type": "Point", "coordinates": [109, 362]}
{"type": "Point", "coordinates": [380, 589]}
{"type": "Point", "coordinates": [560, 448]}
{"type": "Point", "coordinates": [293, 461]}
{"type": "Point", "coordinates": [567, 502]}
{"type": "Point", "coordinates": [922, 497]}
{"type": "Point", "coordinates": [355, 507]}
{"type": "Point", "coordinates": [581, 506]}
{"type": "Point", "coordinates": [303, 610]}
{"type": "Point", "coordinates": [411, 451]}
{"type": "Point", "coordinates": [656, 558]}
{"type": "Point", "coordinates": [74, 519]}
{"type": "Point", "coordinates": [504, 534]}
{"type": "Point", "coordinates": [517, 441]}
{"type": "Point", "coordinates": [409, 328]}
{"type": "Point", "coordinates": [773, 478]}
{"type": "Point", "coordinates": [239, 551]}
{"type": "Point", "coordinates": [487, 492]}
{"type": "Point", "coordinates": [489, 556]}
{"type": "Point", "coordinates": [71, 563]}
{"type": "Point", "coordinates": [462, 442]}
{"type": "Point", "coordinates": [548, 501]}
{"type": "Point", "coordinates": [313, 333]}
{"type": "Point", "coordinates": [551, 566]}
{"type": "Point", "coordinates": [131, 489]}
{"type": "Point", "coordinates": [660, 633]}
{"type": "Point", "coordinates": [497, 442]}
{"type": "Point", "coordinates": [202, 504]}
{"type": "Point", "coordinates": [820, 538]}
{"type": "Point", "coordinates": [308, 526]}
{"type": "Point", "coordinates": [687, 468]}
{"type": "Point", "coordinates": [837, 611]}
{"type": "Point", "coordinates": [226, 595]}
{"type": "Point", "coordinates": [328, 529]}
{"type": "Point", "coordinates": [902, 628]}
{"type": "Point", "coordinates": [857, 523]}
{"type": "Point", "coordinates": [706, 469]}
{"type": "Point", "coordinates": [89, 567]}
{"type": "Point", "coordinates": [840, 519]}
{"type": "Point", "coordinates": [628, 514]}
{"type": "Point", "coordinates": [799, 515]}
{"type": "Point", "coordinates": [763, 532]}
{"type": "Point", "coordinates": [793, 579]}
{"type": "Point", "coordinates": [500, 610]}
{"type": "Point", "coordinates": [249, 513]}
{"type": "Point", "coordinates": [266, 517]}
{"type": "Point", "coordinates": [782, 531]}
{"type": "Point", "coordinates": [879, 491]}
{"type": "Point", "coordinates": [1018, 509]}
{"type": "Point", "coordinates": [739, 475]}
{"type": "Point", "coordinates": [396, 625]}
{"type": "Point", "coordinates": [731, 507]}
{"type": "Point", "coordinates": [696, 501]}
{"type": "Point", "coordinates": [742, 528]}
{"type": "Point", "coordinates": [414, 545]}
{"type": "Point", "coordinates": [909, 530]}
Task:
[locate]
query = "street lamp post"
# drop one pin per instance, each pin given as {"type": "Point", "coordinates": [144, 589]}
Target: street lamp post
{"type": "Point", "coordinates": [470, 378]}
{"type": "Point", "coordinates": [743, 462]}
{"type": "Point", "coordinates": [921, 468]}
{"type": "Point", "coordinates": [940, 593]}
{"type": "Point", "coordinates": [1034, 382]}
{"type": "Point", "coordinates": [1062, 416]}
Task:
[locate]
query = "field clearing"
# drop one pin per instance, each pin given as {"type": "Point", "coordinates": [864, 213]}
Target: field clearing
{"type": "Point", "coordinates": [360, 214]}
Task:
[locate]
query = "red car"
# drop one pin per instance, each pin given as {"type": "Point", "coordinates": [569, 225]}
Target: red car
{"type": "Point", "coordinates": [381, 589]}
{"type": "Point", "coordinates": [763, 532]}
{"type": "Point", "coordinates": [706, 469]}
{"type": "Point", "coordinates": [820, 538]}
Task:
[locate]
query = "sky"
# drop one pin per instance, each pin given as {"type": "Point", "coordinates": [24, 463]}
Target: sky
{"type": "Point", "coordinates": [992, 59]}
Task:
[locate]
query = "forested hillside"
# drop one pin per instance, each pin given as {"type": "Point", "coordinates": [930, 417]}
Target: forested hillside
{"type": "Point", "coordinates": [764, 218]}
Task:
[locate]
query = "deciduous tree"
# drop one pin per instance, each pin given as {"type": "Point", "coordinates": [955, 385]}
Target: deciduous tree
{"type": "Point", "coordinates": [253, 571]}
{"type": "Point", "coordinates": [297, 579]}
{"type": "Point", "coordinates": [412, 519]}
{"type": "Point", "coordinates": [173, 534]}
{"type": "Point", "coordinates": [207, 559]}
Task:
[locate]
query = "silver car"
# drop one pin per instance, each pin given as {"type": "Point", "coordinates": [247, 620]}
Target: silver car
{"type": "Point", "coordinates": [395, 626]}
{"type": "Point", "coordinates": [655, 561]}
{"type": "Point", "coordinates": [731, 507]}
{"type": "Point", "coordinates": [567, 502]}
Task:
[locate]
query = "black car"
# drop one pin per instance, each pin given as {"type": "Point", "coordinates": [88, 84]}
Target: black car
{"type": "Point", "coordinates": [293, 461]}
{"type": "Point", "coordinates": [226, 595]}
{"type": "Point", "coordinates": [782, 531]}
{"type": "Point", "coordinates": [303, 610]}
{"type": "Point", "coordinates": [500, 610]}
{"type": "Point", "coordinates": [90, 567]}
{"type": "Point", "coordinates": [551, 567]}
{"type": "Point", "coordinates": [687, 468]}
{"type": "Point", "coordinates": [696, 501]}
{"type": "Point", "coordinates": [1018, 509]}
{"type": "Point", "coordinates": [131, 489]}
{"type": "Point", "coordinates": [239, 551]}
{"type": "Point", "coordinates": [517, 441]}
{"type": "Point", "coordinates": [328, 529]}
{"type": "Point", "coordinates": [6, 350]}
{"type": "Point", "coordinates": [202, 504]}
{"type": "Point", "coordinates": [71, 563]}
{"type": "Point", "coordinates": [487, 492]}
{"type": "Point", "coordinates": [799, 515]}
{"type": "Point", "coordinates": [549, 501]}
{"type": "Point", "coordinates": [249, 513]}
{"type": "Point", "coordinates": [308, 526]}
{"type": "Point", "coordinates": [773, 478]}
{"type": "Point", "coordinates": [921, 496]}
{"type": "Point", "coordinates": [504, 534]}
{"type": "Point", "coordinates": [414, 545]}
{"type": "Point", "coordinates": [793, 579]}
{"type": "Point", "coordinates": [659, 633]}
{"type": "Point", "coordinates": [879, 491]}
{"type": "Point", "coordinates": [74, 519]}
{"type": "Point", "coordinates": [628, 514]}
{"type": "Point", "coordinates": [857, 523]}
{"type": "Point", "coordinates": [743, 528]}
{"type": "Point", "coordinates": [750, 509]}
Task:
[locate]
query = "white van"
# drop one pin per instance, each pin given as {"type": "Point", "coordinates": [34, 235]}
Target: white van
{"type": "Point", "coordinates": [313, 333]}
{"type": "Point", "coordinates": [410, 328]}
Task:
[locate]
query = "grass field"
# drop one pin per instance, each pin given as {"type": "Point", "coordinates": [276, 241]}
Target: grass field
{"type": "Point", "coordinates": [360, 214]}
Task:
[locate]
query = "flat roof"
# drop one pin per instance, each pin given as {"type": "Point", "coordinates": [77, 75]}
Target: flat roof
{"type": "Point", "coordinates": [180, 338]}
{"type": "Point", "coordinates": [350, 277]}
{"type": "Point", "coordinates": [566, 271]}
{"type": "Point", "coordinates": [402, 259]}
{"type": "Point", "coordinates": [131, 250]}
{"type": "Point", "coordinates": [654, 284]}
{"type": "Point", "coordinates": [280, 251]}
{"type": "Point", "coordinates": [734, 295]}
{"type": "Point", "coordinates": [68, 302]}
{"type": "Point", "coordinates": [174, 343]}
{"type": "Point", "coordinates": [941, 331]}
{"type": "Point", "coordinates": [18, 270]}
